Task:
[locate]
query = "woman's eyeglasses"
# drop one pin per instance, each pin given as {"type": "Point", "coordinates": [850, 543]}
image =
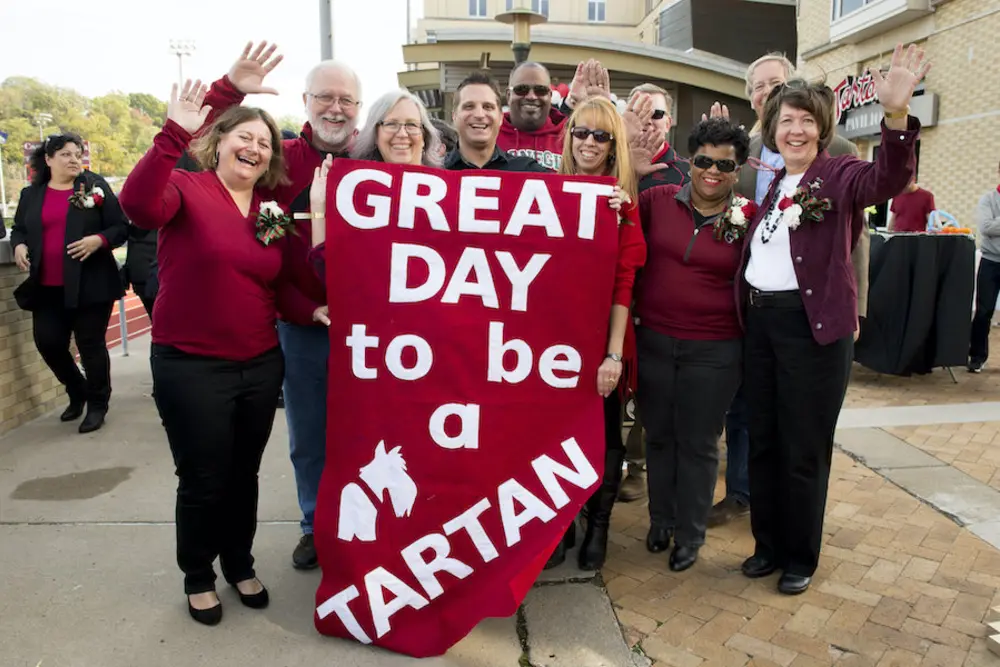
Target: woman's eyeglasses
{"type": "Point", "coordinates": [600, 136]}
{"type": "Point", "coordinates": [705, 162]}
{"type": "Point", "coordinates": [392, 127]}
{"type": "Point", "coordinates": [523, 89]}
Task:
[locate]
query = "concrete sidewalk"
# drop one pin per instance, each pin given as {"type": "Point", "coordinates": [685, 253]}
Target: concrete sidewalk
{"type": "Point", "coordinates": [88, 576]}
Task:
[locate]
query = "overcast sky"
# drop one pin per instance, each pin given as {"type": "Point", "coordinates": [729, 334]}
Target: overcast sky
{"type": "Point", "coordinates": [106, 45]}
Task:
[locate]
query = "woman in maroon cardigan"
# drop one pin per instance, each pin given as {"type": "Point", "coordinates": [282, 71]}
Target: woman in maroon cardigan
{"type": "Point", "coordinates": [216, 364]}
{"type": "Point", "coordinates": [797, 287]}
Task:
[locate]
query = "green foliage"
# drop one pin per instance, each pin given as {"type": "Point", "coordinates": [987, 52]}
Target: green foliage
{"type": "Point", "coordinates": [291, 122]}
{"type": "Point", "coordinates": [120, 127]}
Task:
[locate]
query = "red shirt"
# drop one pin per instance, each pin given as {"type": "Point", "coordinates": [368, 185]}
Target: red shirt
{"type": "Point", "coordinates": [910, 210]}
{"type": "Point", "coordinates": [686, 289]}
{"type": "Point", "coordinates": [219, 285]}
{"type": "Point", "coordinates": [54, 210]}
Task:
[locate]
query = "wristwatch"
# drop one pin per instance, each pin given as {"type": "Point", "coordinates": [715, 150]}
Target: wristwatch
{"type": "Point", "coordinates": [897, 115]}
{"type": "Point", "coordinates": [614, 357]}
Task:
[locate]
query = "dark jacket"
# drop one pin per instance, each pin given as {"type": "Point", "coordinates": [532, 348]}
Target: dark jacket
{"type": "Point", "coordinates": [499, 162]}
{"type": "Point", "coordinates": [678, 172]}
{"type": "Point", "coordinates": [821, 251]}
{"type": "Point", "coordinates": [96, 279]}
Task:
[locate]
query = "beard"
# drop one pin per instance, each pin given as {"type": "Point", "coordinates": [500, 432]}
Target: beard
{"type": "Point", "coordinates": [333, 137]}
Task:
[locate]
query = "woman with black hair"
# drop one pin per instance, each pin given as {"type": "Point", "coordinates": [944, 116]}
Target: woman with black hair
{"type": "Point", "coordinates": [66, 224]}
{"type": "Point", "coordinates": [689, 337]}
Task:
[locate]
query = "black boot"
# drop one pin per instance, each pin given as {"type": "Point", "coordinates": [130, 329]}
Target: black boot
{"type": "Point", "coordinates": [568, 541]}
{"type": "Point", "coordinates": [594, 548]}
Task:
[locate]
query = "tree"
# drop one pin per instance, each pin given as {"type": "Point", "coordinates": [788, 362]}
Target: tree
{"type": "Point", "coordinates": [149, 105]}
{"type": "Point", "coordinates": [291, 123]}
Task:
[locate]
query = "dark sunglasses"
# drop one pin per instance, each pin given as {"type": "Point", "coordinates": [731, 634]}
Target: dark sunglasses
{"type": "Point", "coordinates": [524, 89]}
{"type": "Point", "coordinates": [600, 136]}
{"type": "Point", "coordinates": [705, 162]}
{"type": "Point", "coordinates": [658, 114]}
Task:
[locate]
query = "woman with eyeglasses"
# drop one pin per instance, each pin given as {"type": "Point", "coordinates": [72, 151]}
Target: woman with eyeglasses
{"type": "Point", "coordinates": [689, 338]}
{"type": "Point", "coordinates": [66, 224]}
{"type": "Point", "coordinates": [596, 145]}
{"type": "Point", "coordinates": [398, 131]}
{"type": "Point", "coordinates": [798, 297]}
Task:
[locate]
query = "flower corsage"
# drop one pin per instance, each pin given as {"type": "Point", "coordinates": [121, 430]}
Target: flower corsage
{"type": "Point", "coordinates": [803, 204]}
{"type": "Point", "coordinates": [272, 222]}
{"type": "Point", "coordinates": [732, 225]}
{"type": "Point", "coordinates": [83, 199]}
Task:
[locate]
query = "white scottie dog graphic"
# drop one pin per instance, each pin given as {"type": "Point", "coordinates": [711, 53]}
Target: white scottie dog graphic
{"type": "Point", "coordinates": [358, 513]}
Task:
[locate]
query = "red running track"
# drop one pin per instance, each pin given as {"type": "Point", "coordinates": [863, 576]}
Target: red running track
{"type": "Point", "coordinates": [136, 321]}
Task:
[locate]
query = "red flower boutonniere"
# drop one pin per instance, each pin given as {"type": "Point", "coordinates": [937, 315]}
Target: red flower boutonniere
{"type": "Point", "coordinates": [83, 199]}
{"type": "Point", "coordinates": [732, 225]}
{"type": "Point", "coordinates": [803, 204]}
{"type": "Point", "coordinates": [272, 222]}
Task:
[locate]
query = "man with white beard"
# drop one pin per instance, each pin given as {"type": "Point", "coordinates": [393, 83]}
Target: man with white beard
{"type": "Point", "coordinates": [332, 98]}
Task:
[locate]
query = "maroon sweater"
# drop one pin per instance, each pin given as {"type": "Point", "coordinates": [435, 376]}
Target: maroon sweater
{"type": "Point", "coordinates": [220, 287]}
{"type": "Point", "coordinates": [686, 287]}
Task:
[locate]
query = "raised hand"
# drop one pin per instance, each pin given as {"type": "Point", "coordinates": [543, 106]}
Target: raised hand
{"type": "Point", "coordinates": [643, 149]}
{"type": "Point", "coordinates": [717, 111]}
{"type": "Point", "coordinates": [599, 81]}
{"type": "Point", "coordinates": [249, 70]}
{"type": "Point", "coordinates": [317, 200]}
{"type": "Point", "coordinates": [187, 109]}
{"type": "Point", "coordinates": [896, 88]}
{"type": "Point", "coordinates": [638, 113]}
{"type": "Point", "coordinates": [578, 86]}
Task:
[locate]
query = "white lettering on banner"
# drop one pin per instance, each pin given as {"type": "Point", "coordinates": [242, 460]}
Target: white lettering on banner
{"type": "Point", "coordinates": [380, 204]}
{"type": "Point", "coordinates": [360, 342]}
{"type": "Point", "coordinates": [583, 475]}
{"type": "Point", "coordinates": [470, 202]}
{"type": "Point", "coordinates": [468, 434]}
{"type": "Point", "coordinates": [410, 200]}
{"type": "Point", "coordinates": [472, 276]}
{"type": "Point", "coordinates": [589, 192]}
{"type": "Point", "coordinates": [423, 191]}
{"type": "Point", "coordinates": [555, 358]}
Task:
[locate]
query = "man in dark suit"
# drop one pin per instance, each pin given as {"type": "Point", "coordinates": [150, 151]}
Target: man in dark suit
{"type": "Point", "coordinates": [763, 75]}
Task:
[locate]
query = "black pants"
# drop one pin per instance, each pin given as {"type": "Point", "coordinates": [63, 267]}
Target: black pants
{"type": "Point", "coordinates": [685, 388]}
{"type": "Point", "coordinates": [987, 290]}
{"type": "Point", "coordinates": [218, 416]}
{"type": "Point", "coordinates": [53, 323]}
{"type": "Point", "coordinates": [140, 291]}
{"type": "Point", "coordinates": [794, 388]}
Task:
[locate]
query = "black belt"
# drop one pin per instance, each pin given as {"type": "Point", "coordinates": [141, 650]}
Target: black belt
{"type": "Point", "coordinates": [783, 299]}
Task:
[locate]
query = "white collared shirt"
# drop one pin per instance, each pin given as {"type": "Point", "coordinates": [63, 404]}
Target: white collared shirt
{"type": "Point", "coordinates": [770, 268]}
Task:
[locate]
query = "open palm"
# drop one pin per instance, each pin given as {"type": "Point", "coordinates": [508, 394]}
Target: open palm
{"type": "Point", "coordinates": [896, 87]}
{"type": "Point", "coordinates": [249, 70]}
{"type": "Point", "coordinates": [187, 109]}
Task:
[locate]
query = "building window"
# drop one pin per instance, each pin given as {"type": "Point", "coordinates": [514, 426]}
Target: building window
{"type": "Point", "coordinates": [477, 8]}
{"type": "Point", "coordinates": [595, 11]}
{"type": "Point", "coordinates": [842, 8]}
{"type": "Point", "coordinates": [537, 6]}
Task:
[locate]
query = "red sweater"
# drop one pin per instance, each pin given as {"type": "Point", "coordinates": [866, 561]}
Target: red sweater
{"type": "Point", "coordinates": [686, 288]}
{"type": "Point", "coordinates": [911, 209]}
{"type": "Point", "coordinates": [219, 285]}
{"type": "Point", "coordinates": [544, 145]}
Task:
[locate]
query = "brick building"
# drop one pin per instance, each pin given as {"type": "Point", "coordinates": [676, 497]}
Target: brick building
{"type": "Point", "coordinates": [959, 102]}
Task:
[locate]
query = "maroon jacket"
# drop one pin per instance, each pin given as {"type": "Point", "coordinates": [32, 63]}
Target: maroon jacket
{"type": "Point", "coordinates": [821, 251]}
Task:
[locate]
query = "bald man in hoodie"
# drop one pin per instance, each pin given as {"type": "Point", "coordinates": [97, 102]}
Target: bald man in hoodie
{"type": "Point", "coordinates": [532, 128]}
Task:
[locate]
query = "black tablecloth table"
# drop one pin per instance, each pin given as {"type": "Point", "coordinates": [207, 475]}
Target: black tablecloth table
{"type": "Point", "coordinates": [919, 303]}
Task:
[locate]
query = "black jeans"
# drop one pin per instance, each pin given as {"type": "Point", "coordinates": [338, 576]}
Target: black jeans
{"type": "Point", "coordinates": [987, 290]}
{"type": "Point", "coordinates": [685, 388]}
{"type": "Point", "coordinates": [53, 323]}
{"type": "Point", "coordinates": [794, 388]}
{"type": "Point", "coordinates": [218, 416]}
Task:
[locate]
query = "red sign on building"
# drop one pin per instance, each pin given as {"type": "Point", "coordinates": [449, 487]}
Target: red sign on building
{"type": "Point", "coordinates": [31, 146]}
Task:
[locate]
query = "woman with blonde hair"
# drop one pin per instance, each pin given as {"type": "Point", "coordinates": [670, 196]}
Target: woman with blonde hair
{"type": "Point", "coordinates": [596, 145]}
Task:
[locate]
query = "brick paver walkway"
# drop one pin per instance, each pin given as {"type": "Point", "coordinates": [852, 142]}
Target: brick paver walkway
{"type": "Point", "coordinates": [973, 448]}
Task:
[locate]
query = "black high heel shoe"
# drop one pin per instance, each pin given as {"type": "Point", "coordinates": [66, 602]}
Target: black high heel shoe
{"type": "Point", "coordinates": [568, 541]}
{"type": "Point", "coordinates": [210, 616]}
{"type": "Point", "coordinates": [258, 600]}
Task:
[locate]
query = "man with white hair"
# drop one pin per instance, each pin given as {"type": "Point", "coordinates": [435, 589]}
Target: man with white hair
{"type": "Point", "coordinates": [764, 75]}
{"type": "Point", "coordinates": [332, 99]}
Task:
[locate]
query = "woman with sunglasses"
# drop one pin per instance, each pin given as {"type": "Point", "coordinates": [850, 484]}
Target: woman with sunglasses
{"type": "Point", "coordinates": [689, 338]}
{"type": "Point", "coordinates": [596, 145]}
{"type": "Point", "coordinates": [798, 296]}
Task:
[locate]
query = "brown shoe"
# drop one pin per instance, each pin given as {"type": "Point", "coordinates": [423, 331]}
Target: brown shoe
{"type": "Point", "coordinates": [726, 510]}
{"type": "Point", "coordinates": [634, 487]}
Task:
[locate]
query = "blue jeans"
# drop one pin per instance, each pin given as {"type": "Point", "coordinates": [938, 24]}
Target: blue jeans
{"type": "Point", "coordinates": [737, 449]}
{"type": "Point", "coordinates": [306, 352]}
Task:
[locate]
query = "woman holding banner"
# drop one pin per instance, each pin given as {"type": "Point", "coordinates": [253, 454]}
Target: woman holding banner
{"type": "Point", "coordinates": [596, 145]}
{"type": "Point", "coordinates": [217, 367]}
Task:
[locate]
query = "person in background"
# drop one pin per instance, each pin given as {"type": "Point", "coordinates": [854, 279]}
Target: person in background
{"type": "Point", "coordinates": [689, 337]}
{"type": "Point", "coordinates": [449, 137]}
{"type": "Point", "coordinates": [139, 258]}
{"type": "Point", "coordinates": [532, 128]}
{"type": "Point", "coordinates": [798, 302]}
{"type": "Point", "coordinates": [217, 366]}
{"type": "Point", "coordinates": [66, 225]}
{"type": "Point", "coordinates": [332, 101]}
{"type": "Point", "coordinates": [596, 145]}
{"type": "Point", "coordinates": [987, 278]}
{"type": "Point", "coordinates": [763, 75]}
{"type": "Point", "coordinates": [911, 208]}
{"type": "Point", "coordinates": [3, 224]}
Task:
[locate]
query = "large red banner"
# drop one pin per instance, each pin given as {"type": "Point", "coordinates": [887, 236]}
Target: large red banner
{"type": "Point", "coordinates": [470, 313]}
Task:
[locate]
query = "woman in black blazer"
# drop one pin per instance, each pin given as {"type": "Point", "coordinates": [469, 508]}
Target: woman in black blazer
{"type": "Point", "coordinates": [66, 224]}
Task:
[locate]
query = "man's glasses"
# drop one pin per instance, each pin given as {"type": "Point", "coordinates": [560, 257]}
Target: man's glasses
{"type": "Point", "coordinates": [705, 162]}
{"type": "Point", "coordinates": [658, 114]}
{"type": "Point", "coordinates": [392, 127]}
{"type": "Point", "coordinates": [523, 89]}
{"type": "Point", "coordinates": [600, 136]}
{"type": "Point", "coordinates": [328, 100]}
